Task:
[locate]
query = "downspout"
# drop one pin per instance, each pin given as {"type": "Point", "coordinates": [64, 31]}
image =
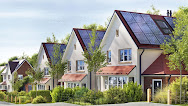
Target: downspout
{"type": "Point", "coordinates": [90, 80]}
{"type": "Point", "coordinates": [169, 80]}
{"type": "Point", "coordinates": [141, 64]}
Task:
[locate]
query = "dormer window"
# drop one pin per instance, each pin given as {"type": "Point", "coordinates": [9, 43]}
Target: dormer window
{"type": "Point", "coordinates": [163, 26]}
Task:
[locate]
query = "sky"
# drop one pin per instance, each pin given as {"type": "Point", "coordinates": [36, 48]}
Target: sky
{"type": "Point", "coordinates": [25, 24]}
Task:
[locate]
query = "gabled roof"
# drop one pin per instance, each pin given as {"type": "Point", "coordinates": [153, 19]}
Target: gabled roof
{"type": "Point", "coordinates": [3, 83]}
{"type": "Point", "coordinates": [83, 36]}
{"type": "Point", "coordinates": [48, 48]}
{"type": "Point", "coordinates": [143, 29]}
{"type": "Point", "coordinates": [116, 70]}
{"type": "Point", "coordinates": [44, 80]}
{"type": "Point", "coordinates": [72, 77]}
{"type": "Point", "coordinates": [13, 65]}
{"type": "Point", "coordinates": [160, 67]}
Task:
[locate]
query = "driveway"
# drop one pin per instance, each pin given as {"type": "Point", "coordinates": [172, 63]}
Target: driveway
{"type": "Point", "coordinates": [67, 104]}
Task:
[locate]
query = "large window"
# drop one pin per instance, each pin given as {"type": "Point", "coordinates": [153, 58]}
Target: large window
{"type": "Point", "coordinates": [4, 77]}
{"type": "Point", "coordinates": [80, 65]}
{"type": "Point", "coordinates": [69, 65]}
{"type": "Point", "coordinates": [72, 85]}
{"type": "Point", "coordinates": [109, 56]}
{"type": "Point", "coordinates": [41, 87]}
{"type": "Point", "coordinates": [117, 81]}
{"type": "Point", "coordinates": [20, 77]}
{"type": "Point", "coordinates": [163, 26]}
{"type": "Point", "coordinates": [125, 55]}
{"type": "Point", "coordinates": [46, 71]}
{"type": "Point", "coordinates": [84, 85]}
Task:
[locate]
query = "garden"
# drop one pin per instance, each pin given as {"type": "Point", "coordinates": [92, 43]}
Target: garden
{"type": "Point", "coordinates": [131, 92]}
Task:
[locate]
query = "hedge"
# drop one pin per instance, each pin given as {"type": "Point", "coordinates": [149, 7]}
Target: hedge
{"type": "Point", "coordinates": [43, 93]}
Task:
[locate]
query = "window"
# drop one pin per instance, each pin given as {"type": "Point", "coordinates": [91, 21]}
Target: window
{"type": "Point", "coordinates": [117, 32]}
{"type": "Point", "coordinates": [41, 87]}
{"type": "Point", "coordinates": [4, 77]}
{"type": "Point", "coordinates": [69, 65]}
{"type": "Point", "coordinates": [125, 55]}
{"type": "Point", "coordinates": [0, 87]}
{"type": "Point", "coordinates": [80, 65]}
{"type": "Point", "coordinates": [117, 81]}
{"type": "Point", "coordinates": [8, 86]}
{"type": "Point", "coordinates": [84, 85]}
{"type": "Point", "coordinates": [5, 87]}
{"type": "Point", "coordinates": [163, 26]}
{"type": "Point", "coordinates": [9, 77]}
{"type": "Point", "coordinates": [46, 71]}
{"type": "Point", "coordinates": [72, 85]}
{"type": "Point", "coordinates": [131, 79]}
{"type": "Point", "coordinates": [106, 83]}
{"type": "Point", "coordinates": [20, 77]}
{"type": "Point", "coordinates": [74, 46]}
{"type": "Point", "coordinates": [109, 56]}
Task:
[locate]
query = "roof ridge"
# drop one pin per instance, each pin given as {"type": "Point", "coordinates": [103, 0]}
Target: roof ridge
{"type": "Point", "coordinates": [53, 43]}
{"type": "Point", "coordinates": [87, 29]}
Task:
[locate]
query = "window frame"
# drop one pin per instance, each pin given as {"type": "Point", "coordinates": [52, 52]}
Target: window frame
{"type": "Point", "coordinates": [69, 66]}
{"type": "Point", "coordinates": [80, 65]}
{"type": "Point", "coordinates": [45, 72]}
{"type": "Point", "coordinates": [109, 58]}
{"type": "Point", "coordinates": [128, 55]}
{"type": "Point", "coordinates": [126, 78]}
{"type": "Point", "coordinates": [73, 84]}
{"type": "Point", "coordinates": [19, 77]}
{"type": "Point", "coordinates": [41, 87]}
{"type": "Point", "coordinates": [162, 29]}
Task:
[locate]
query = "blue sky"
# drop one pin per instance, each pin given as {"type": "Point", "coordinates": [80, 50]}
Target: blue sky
{"type": "Point", "coordinates": [24, 24]}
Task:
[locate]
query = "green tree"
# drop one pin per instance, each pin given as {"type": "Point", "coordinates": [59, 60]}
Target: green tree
{"type": "Point", "coordinates": [57, 67]}
{"type": "Point", "coordinates": [16, 83]}
{"type": "Point", "coordinates": [154, 11]}
{"type": "Point", "coordinates": [95, 26]}
{"type": "Point", "coordinates": [13, 58]}
{"type": "Point", "coordinates": [176, 48]}
{"type": "Point", "coordinates": [33, 59]}
{"type": "Point", "coordinates": [51, 40]}
{"type": "Point", "coordinates": [94, 57]}
{"type": "Point", "coordinates": [66, 39]}
{"type": "Point", "coordinates": [3, 64]}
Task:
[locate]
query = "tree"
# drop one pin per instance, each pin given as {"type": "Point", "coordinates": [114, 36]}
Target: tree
{"type": "Point", "coordinates": [154, 11]}
{"type": "Point", "coordinates": [51, 40]}
{"type": "Point", "coordinates": [94, 57]}
{"type": "Point", "coordinates": [57, 67]}
{"type": "Point", "coordinates": [16, 83]}
{"type": "Point", "coordinates": [33, 59]}
{"type": "Point", "coordinates": [66, 39]}
{"type": "Point", "coordinates": [95, 26]}
{"type": "Point", "coordinates": [176, 48]}
{"type": "Point", "coordinates": [3, 64]}
{"type": "Point", "coordinates": [24, 56]}
{"type": "Point", "coordinates": [13, 58]}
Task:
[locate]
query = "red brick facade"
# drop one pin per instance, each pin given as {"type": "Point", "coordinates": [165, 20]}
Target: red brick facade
{"type": "Point", "coordinates": [24, 67]}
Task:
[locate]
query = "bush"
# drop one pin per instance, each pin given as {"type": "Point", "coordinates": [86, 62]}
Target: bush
{"type": "Point", "coordinates": [23, 99]}
{"type": "Point", "coordinates": [2, 94]}
{"type": "Point", "coordinates": [91, 96]}
{"type": "Point", "coordinates": [161, 95]}
{"type": "Point", "coordinates": [13, 94]}
{"type": "Point", "coordinates": [22, 93]}
{"type": "Point", "coordinates": [67, 94]}
{"type": "Point", "coordinates": [79, 92]}
{"type": "Point", "coordinates": [115, 95]}
{"type": "Point", "coordinates": [133, 91]}
{"type": "Point", "coordinates": [57, 94]}
{"type": "Point", "coordinates": [39, 99]}
{"type": "Point", "coordinates": [43, 93]}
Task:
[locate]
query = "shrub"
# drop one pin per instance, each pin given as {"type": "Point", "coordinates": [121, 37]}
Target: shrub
{"type": "Point", "coordinates": [39, 99]}
{"type": "Point", "coordinates": [79, 92]}
{"type": "Point", "coordinates": [115, 95]}
{"type": "Point", "coordinates": [161, 95]}
{"type": "Point", "coordinates": [13, 94]}
{"type": "Point", "coordinates": [2, 94]}
{"type": "Point", "coordinates": [133, 91]}
{"type": "Point", "coordinates": [23, 99]}
{"type": "Point", "coordinates": [91, 96]}
{"type": "Point", "coordinates": [22, 93]}
{"type": "Point", "coordinates": [43, 93]}
{"type": "Point", "coordinates": [57, 94]}
{"type": "Point", "coordinates": [27, 101]}
{"type": "Point", "coordinates": [67, 94]}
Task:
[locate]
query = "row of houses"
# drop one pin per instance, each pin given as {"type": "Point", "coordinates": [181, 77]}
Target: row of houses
{"type": "Point", "coordinates": [132, 46]}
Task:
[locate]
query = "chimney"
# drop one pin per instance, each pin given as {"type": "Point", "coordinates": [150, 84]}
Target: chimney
{"type": "Point", "coordinates": [167, 12]}
{"type": "Point", "coordinates": [170, 13]}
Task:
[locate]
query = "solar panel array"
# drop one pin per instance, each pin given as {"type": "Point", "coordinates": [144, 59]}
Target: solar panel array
{"type": "Point", "coordinates": [170, 21]}
{"type": "Point", "coordinates": [85, 35]}
{"type": "Point", "coordinates": [144, 28]}
{"type": "Point", "coordinates": [50, 49]}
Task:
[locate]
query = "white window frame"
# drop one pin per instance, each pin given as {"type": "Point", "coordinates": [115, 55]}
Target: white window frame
{"type": "Point", "coordinates": [73, 83]}
{"type": "Point", "coordinates": [45, 72]}
{"type": "Point", "coordinates": [19, 76]}
{"type": "Point", "coordinates": [128, 54]}
{"type": "Point", "coordinates": [78, 65]}
{"type": "Point", "coordinates": [69, 65]}
{"type": "Point", "coordinates": [117, 81]}
{"type": "Point", "coordinates": [8, 77]}
{"type": "Point", "coordinates": [4, 77]}
{"type": "Point", "coordinates": [41, 87]}
{"type": "Point", "coordinates": [153, 84]}
{"type": "Point", "coordinates": [109, 58]}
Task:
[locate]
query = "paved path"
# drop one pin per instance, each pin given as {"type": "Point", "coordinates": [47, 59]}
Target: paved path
{"type": "Point", "coordinates": [67, 104]}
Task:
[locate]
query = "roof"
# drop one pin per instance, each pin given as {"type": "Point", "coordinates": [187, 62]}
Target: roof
{"type": "Point", "coordinates": [160, 67]}
{"type": "Point", "coordinates": [83, 36]}
{"type": "Point", "coordinates": [44, 80]}
{"type": "Point", "coordinates": [3, 83]}
{"type": "Point", "coordinates": [143, 29]}
{"type": "Point", "coordinates": [116, 70]}
{"type": "Point", "coordinates": [72, 77]}
{"type": "Point", "coordinates": [48, 48]}
{"type": "Point", "coordinates": [13, 65]}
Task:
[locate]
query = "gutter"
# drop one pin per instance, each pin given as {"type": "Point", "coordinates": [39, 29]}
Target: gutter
{"type": "Point", "coordinates": [141, 64]}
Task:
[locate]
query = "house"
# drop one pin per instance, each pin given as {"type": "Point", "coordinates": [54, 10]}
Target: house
{"type": "Point", "coordinates": [19, 66]}
{"type": "Point", "coordinates": [44, 57]}
{"type": "Point", "coordinates": [132, 43]}
{"type": "Point", "coordinates": [77, 73]}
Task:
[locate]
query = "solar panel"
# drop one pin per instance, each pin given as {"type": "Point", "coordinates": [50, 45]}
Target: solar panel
{"type": "Point", "coordinates": [161, 38]}
{"type": "Point", "coordinates": [142, 38]}
{"type": "Point", "coordinates": [83, 33]}
{"type": "Point", "coordinates": [147, 19]}
{"type": "Point", "coordinates": [135, 28]}
{"type": "Point", "coordinates": [144, 27]}
{"type": "Point", "coordinates": [170, 21]}
{"type": "Point", "coordinates": [100, 34]}
{"type": "Point", "coordinates": [154, 29]}
{"type": "Point", "coordinates": [127, 16]}
{"type": "Point", "coordinates": [152, 39]}
{"type": "Point", "coordinates": [138, 18]}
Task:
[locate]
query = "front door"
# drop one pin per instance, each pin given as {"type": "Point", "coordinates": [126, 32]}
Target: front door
{"type": "Point", "coordinates": [156, 85]}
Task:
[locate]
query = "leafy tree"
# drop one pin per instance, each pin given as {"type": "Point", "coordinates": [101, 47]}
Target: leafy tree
{"type": "Point", "coordinates": [13, 58]}
{"type": "Point", "coordinates": [33, 59]}
{"type": "Point", "coordinates": [16, 83]}
{"type": "Point", "coordinates": [24, 56]}
{"type": "Point", "coordinates": [176, 48]}
{"type": "Point", "coordinates": [94, 26]}
{"type": "Point", "coordinates": [57, 67]}
{"type": "Point", "coordinates": [66, 39]}
{"type": "Point", "coordinates": [51, 40]}
{"type": "Point", "coordinates": [154, 11]}
{"type": "Point", "coordinates": [3, 64]}
{"type": "Point", "coordinates": [94, 57]}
